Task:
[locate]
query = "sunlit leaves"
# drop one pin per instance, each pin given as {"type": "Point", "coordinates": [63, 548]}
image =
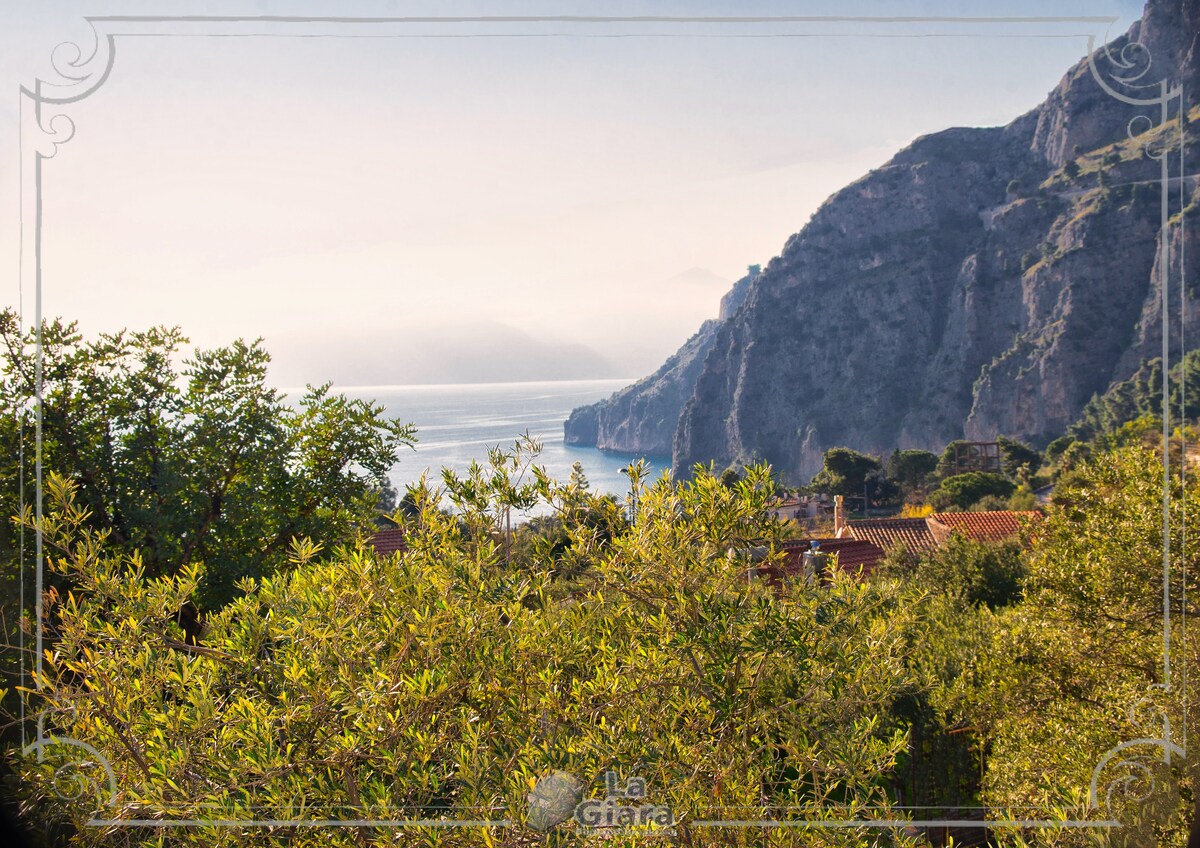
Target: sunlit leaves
{"type": "Point", "coordinates": [440, 682]}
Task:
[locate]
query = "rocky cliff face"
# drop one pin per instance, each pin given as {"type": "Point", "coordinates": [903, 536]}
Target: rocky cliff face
{"type": "Point", "coordinates": [641, 418]}
{"type": "Point", "coordinates": [935, 298]}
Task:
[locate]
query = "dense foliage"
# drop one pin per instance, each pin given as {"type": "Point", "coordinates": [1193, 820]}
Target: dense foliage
{"type": "Point", "coordinates": [1141, 395]}
{"type": "Point", "coordinates": [1037, 662]}
{"type": "Point", "coordinates": [199, 463]}
{"type": "Point", "coordinates": [961, 491]}
{"type": "Point", "coordinates": [918, 476]}
{"type": "Point", "coordinates": [911, 469]}
{"type": "Point", "coordinates": [444, 682]}
{"type": "Point", "coordinates": [844, 472]}
{"type": "Point", "coordinates": [1077, 667]}
{"type": "Point", "coordinates": [330, 683]}
{"type": "Point", "coordinates": [855, 475]}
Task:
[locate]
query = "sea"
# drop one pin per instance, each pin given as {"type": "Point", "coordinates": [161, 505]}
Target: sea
{"type": "Point", "coordinates": [459, 423]}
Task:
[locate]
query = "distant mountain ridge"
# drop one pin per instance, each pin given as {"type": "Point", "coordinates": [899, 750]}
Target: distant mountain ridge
{"type": "Point", "coordinates": [983, 281]}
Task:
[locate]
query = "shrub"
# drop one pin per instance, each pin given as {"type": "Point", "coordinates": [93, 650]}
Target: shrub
{"type": "Point", "coordinates": [1076, 663]}
{"type": "Point", "coordinates": [443, 682]}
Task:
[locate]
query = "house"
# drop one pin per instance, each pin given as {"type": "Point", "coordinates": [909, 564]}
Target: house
{"type": "Point", "coordinates": [388, 541]}
{"type": "Point", "coordinates": [800, 507]}
{"type": "Point", "coordinates": [912, 534]}
{"type": "Point", "coordinates": [885, 533]}
{"type": "Point", "coordinates": [920, 535]}
{"type": "Point", "coordinates": [853, 556]}
{"type": "Point", "coordinates": [861, 544]}
{"type": "Point", "coordinates": [994, 526]}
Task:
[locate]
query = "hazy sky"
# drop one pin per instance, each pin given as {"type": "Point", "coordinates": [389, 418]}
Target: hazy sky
{"type": "Point", "coordinates": [537, 199]}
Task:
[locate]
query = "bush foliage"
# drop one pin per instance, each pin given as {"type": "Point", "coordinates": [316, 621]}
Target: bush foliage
{"type": "Point", "coordinates": [445, 681]}
{"type": "Point", "coordinates": [629, 635]}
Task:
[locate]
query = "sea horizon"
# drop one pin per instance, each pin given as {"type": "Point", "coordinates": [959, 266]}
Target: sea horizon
{"type": "Point", "coordinates": [625, 381]}
{"type": "Point", "coordinates": [458, 423]}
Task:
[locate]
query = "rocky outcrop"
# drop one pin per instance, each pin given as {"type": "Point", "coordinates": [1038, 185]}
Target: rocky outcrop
{"type": "Point", "coordinates": [736, 296]}
{"type": "Point", "coordinates": [641, 419]}
{"type": "Point", "coordinates": [934, 299]}
{"type": "Point", "coordinates": [982, 282]}
{"type": "Point", "coordinates": [1078, 115]}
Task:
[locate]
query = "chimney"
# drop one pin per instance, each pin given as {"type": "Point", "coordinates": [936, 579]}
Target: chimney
{"type": "Point", "coordinates": [839, 516]}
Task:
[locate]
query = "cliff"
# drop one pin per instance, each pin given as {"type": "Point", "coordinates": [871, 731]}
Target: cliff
{"type": "Point", "coordinates": [642, 418]}
{"type": "Point", "coordinates": [983, 281]}
{"type": "Point", "coordinates": [936, 298]}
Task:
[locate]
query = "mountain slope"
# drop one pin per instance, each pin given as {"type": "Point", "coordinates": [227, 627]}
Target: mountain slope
{"type": "Point", "coordinates": [927, 301]}
{"type": "Point", "coordinates": [641, 418]}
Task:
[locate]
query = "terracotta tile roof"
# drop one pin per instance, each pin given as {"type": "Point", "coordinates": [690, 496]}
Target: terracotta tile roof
{"type": "Point", "coordinates": [851, 554]}
{"type": "Point", "coordinates": [388, 541]}
{"type": "Point", "coordinates": [912, 533]}
{"type": "Point", "coordinates": [980, 526]}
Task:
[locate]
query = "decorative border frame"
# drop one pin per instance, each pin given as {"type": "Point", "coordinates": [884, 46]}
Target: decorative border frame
{"type": "Point", "coordinates": [82, 75]}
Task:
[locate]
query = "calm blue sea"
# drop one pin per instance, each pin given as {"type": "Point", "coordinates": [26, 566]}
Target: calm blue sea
{"type": "Point", "coordinates": [458, 423]}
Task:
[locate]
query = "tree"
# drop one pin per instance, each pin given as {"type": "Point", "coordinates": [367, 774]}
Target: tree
{"type": "Point", "coordinates": [1078, 665]}
{"type": "Point", "coordinates": [198, 464]}
{"type": "Point", "coordinates": [565, 543]}
{"type": "Point", "coordinates": [951, 637]}
{"type": "Point", "coordinates": [1074, 456]}
{"type": "Point", "coordinates": [911, 469]}
{"type": "Point", "coordinates": [948, 458]}
{"type": "Point", "coordinates": [844, 472]}
{"type": "Point", "coordinates": [386, 496]}
{"type": "Point", "coordinates": [486, 497]}
{"type": "Point", "coordinates": [962, 490]}
{"type": "Point", "coordinates": [1056, 448]}
{"type": "Point", "coordinates": [1018, 458]}
{"type": "Point", "coordinates": [879, 489]}
{"type": "Point", "coordinates": [1141, 395]}
{"type": "Point", "coordinates": [987, 573]}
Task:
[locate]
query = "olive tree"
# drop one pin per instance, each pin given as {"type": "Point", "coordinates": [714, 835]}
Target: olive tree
{"type": "Point", "coordinates": [442, 683]}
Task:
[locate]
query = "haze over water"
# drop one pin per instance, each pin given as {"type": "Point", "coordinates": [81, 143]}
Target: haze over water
{"type": "Point", "coordinates": [459, 423]}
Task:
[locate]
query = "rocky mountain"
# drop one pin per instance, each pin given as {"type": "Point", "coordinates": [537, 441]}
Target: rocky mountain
{"type": "Point", "coordinates": [984, 281]}
{"type": "Point", "coordinates": [641, 418]}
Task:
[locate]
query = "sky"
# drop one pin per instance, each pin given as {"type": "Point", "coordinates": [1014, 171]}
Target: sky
{"type": "Point", "coordinates": [470, 202]}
